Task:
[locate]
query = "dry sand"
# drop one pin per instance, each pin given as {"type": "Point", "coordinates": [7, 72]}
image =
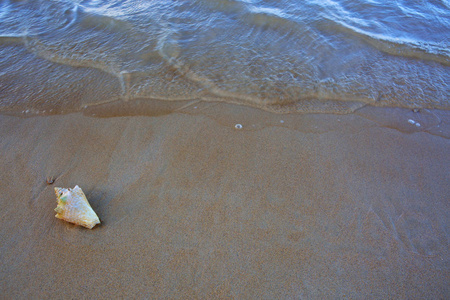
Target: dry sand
{"type": "Point", "coordinates": [289, 206]}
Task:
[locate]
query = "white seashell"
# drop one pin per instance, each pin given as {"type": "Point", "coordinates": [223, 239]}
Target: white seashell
{"type": "Point", "coordinates": [73, 207]}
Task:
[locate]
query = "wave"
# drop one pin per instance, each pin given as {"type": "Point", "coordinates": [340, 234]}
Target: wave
{"type": "Point", "coordinates": [399, 46]}
{"type": "Point", "coordinates": [96, 19]}
{"type": "Point", "coordinates": [317, 100]}
{"type": "Point", "coordinates": [237, 52]}
{"type": "Point", "coordinates": [69, 55]}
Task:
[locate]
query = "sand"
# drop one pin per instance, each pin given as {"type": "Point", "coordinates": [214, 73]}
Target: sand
{"type": "Point", "coordinates": [290, 206]}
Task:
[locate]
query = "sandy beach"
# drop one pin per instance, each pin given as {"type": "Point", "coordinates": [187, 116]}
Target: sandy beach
{"type": "Point", "coordinates": [232, 149]}
{"type": "Point", "coordinates": [287, 207]}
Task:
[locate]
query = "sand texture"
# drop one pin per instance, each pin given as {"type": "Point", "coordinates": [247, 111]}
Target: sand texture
{"type": "Point", "coordinates": [288, 207]}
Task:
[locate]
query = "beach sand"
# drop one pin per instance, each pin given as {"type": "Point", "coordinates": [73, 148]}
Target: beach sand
{"type": "Point", "coordinates": [289, 206]}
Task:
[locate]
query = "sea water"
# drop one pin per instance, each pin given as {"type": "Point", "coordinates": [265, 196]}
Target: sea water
{"type": "Point", "coordinates": [286, 56]}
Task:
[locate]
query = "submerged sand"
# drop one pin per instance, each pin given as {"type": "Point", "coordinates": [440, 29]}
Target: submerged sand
{"type": "Point", "coordinates": [289, 206]}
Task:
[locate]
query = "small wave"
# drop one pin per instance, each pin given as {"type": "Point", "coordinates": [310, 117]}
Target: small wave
{"type": "Point", "coordinates": [261, 16]}
{"type": "Point", "coordinates": [269, 11]}
{"type": "Point", "coordinates": [71, 15]}
{"type": "Point", "coordinates": [320, 100]}
{"type": "Point", "coordinates": [269, 18]}
{"type": "Point", "coordinates": [93, 19]}
{"type": "Point", "coordinates": [73, 57]}
{"type": "Point", "coordinates": [399, 46]}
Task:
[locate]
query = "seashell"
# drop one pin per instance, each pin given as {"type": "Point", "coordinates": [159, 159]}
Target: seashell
{"type": "Point", "coordinates": [73, 207]}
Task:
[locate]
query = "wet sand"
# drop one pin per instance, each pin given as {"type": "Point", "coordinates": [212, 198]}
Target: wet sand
{"type": "Point", "coordinates": [289, 206]}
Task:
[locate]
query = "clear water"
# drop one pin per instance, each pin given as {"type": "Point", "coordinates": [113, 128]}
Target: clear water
{"type": "Point", "coordinates": [283, 56]}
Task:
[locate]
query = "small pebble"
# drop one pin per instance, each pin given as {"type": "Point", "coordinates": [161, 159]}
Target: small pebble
{"type": "Point", "coordinates": [238, 126]}
{"type": "Point", "coordinates": [50, 180]}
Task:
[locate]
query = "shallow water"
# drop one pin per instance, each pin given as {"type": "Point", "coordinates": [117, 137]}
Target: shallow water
{"type": "Point", "coordinates": [282, 56]}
